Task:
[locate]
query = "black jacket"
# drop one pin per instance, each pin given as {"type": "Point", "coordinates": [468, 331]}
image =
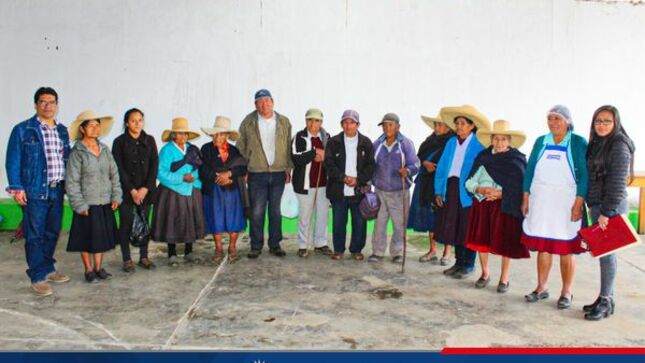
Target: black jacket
{"type": "Point", "coordinates": [213, 164]}
{"type": "Point", "coordinates": [137, 160]}
{"type": "Point", "coordinates": [302, 154]}
{"type": "Point", "coordinates": [609, 188]}
{"type": "Point", "coordinates": [335, 164]}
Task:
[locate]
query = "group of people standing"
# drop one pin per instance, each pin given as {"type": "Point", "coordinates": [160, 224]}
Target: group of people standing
{"type": "Point", "coordinates": [474, 189]}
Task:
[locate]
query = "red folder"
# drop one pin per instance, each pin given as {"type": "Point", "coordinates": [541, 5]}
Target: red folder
{"type": "Point", "coordinates": [620, 234]}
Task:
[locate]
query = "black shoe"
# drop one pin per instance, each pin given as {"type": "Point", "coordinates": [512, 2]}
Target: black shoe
{"type": "Point", "coordinates": [603, 309]}
{"type": "Point", "coordinates": [462, 274]}
{"type": "Point", "coordinates": [451, 271]}
{"type": "Point", "coordinates": [588, 308]}
{"type": "Point", "coordinates": [278, 252]}
{"type": "Point", "coordinates": [254, 254]}
{"type": "Point", "coordinates": [565, 302]}
{"type": "Point", "coordinates": [91, 277]}
{"type": "Point", "coordinates": [103, 275]}
{"type": "Point", "coordinates": [536, 296]}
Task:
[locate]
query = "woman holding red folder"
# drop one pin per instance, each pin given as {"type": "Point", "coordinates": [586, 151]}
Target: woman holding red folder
{"type": "Point", "coordinates": [610, 159]}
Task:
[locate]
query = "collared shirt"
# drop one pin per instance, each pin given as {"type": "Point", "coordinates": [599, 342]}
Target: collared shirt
{"type": "Point", "coordinates": [267, 128]}
{"type": "Point", "coordinates": [458, 159]}
{"type": "Point", "coordinates": [53, 153]}
{"type": "Point", "coordinates": [351, 158]}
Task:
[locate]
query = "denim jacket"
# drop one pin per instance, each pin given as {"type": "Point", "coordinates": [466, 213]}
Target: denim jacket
{"type": "Point", "coordinates": [25, 160]}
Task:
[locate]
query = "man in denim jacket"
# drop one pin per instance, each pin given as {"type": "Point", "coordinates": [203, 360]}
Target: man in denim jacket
{"type": "Point", "coordinates": [36, 158]}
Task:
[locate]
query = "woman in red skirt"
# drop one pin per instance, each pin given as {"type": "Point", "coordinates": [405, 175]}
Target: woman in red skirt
{"type": "Point", "coordinates": [495, 221]}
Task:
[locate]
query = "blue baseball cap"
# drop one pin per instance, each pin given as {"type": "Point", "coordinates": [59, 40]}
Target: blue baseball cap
{"type": "Point", "coordinates": [262, 93]}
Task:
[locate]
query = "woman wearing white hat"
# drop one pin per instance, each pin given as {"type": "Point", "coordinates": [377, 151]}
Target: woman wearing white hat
{"type": "Point", "coordinates": [220, 174]}
{"type": "Point", "coordinates": [495, 221]}
{"type": "Point", "coordinates": [450, 178]}
{"type": "Point", "coordinates": [555, 185]}
{"type": "Point", "coordinates": [178, 216]}
{"type": "Point", "coordinates": [94, 192]}
{"type": "Point", "coordinates": [422, 216]}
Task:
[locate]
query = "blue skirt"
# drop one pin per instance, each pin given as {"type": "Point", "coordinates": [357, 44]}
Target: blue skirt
{"type": "Point", "coordinates": [421, 218]}
{"type": "Point", "coordinates": [223, 211]}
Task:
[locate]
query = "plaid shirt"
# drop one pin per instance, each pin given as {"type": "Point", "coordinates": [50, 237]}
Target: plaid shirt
{"type": "Point", "coordinates": [53, 154]}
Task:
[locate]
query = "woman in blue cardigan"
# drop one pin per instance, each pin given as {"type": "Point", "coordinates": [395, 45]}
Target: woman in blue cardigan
{"type": "Point", "coordinates": [451, 195]}
{"type": "Point", "coordinates": [555, 185]}
{"type": "Point", "coordinates": [178, 215]}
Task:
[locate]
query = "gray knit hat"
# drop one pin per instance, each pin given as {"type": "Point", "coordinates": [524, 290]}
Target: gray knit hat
{"type": "Point", "coordinates": [562, 111]}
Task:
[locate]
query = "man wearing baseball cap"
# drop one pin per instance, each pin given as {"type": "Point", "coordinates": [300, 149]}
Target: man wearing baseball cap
{"type": "Point", "coordinates": [265, 141]}
{"type": "Point", "coordinates": [349, 160]}
{"type": "Point", "coordinates": [396, 164]}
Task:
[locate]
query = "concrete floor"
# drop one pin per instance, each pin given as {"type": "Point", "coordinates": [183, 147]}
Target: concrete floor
{"type": "Point", "coordinates": [306, 304]}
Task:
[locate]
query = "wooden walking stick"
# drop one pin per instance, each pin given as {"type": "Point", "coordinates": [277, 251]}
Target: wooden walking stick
{"type": "Point", "coordinates": [405, 218]}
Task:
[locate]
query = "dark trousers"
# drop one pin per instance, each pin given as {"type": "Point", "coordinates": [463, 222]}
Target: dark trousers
{"type": "Point", "coordinates": [172, 249]}
{"type": "Point", "coordinates": [266, 188]}
{"type": "Point", "coordinates": [465, 257]}
{"type": "Point", "coordinates": [42, 219]}
{"type": "Point", "coordinates": [126, 216]}
{"type": "Point", "coordinates": [359, 225]}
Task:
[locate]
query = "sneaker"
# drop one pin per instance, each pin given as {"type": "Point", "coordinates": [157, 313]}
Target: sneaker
{"type": "Point", "coordinates": [462, 274]}
{"type": "Point", "coordinates": [324, 250]}
{"type": "Point", "coordinates": [278, 252]}
{"type": "Point", "coordinates": [398, 260]}
{"type": "Point", "coordinates": [128, 266]}
{"type": "Point", "coordinates": [91, 277]}
{"type": "Point", "coordinates": [57, 277]}
{"type": "Point", "coordinates": [103, 275]}
{"type": "Point", "coordinates": [254, 254]}
{"type": "Point", "coordinates": [41, 288]}
{"type": "Point", "coordinates": [375, 258]}
{"type": "Point", "coordinates": [172, 261]}
{"type": "Point", "coordinates": [191, 258]}
{"type": "Point", "coordinates": [303, 252]}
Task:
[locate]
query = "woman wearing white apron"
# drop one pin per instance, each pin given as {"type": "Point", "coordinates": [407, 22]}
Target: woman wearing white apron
{"type": "Point", "coordinates": [555, 185]}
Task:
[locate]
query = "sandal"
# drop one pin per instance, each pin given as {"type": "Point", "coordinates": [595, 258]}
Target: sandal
{"type": "Point", "coordinates": [358, 256]}
{"type": "Point", "coordinates": [232, 257]}
{"type": "Point", "coordinates": [536, 296]}
{"type": "Point", "coordinates": [430, 256]}
{"type": "Point", "coordinates": [218, 256]}
{"type": "Point", "coordinates": [128, 266]}
{"type": "Point", "coordinates": [303, 252]}
{"type": "Point", "coordinates": [337, 256]}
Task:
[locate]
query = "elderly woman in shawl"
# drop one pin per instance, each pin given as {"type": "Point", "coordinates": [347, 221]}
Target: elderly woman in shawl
{"type": "Point", "coordinates": [422, 216]}
{"type": "Point", "coordinates": [495, 221]}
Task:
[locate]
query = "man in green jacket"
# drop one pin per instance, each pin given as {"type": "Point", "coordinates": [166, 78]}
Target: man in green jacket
{"type": "Point", "coordinates": [265, 138]}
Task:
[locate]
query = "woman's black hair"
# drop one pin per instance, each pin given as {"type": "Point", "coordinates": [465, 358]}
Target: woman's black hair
{"type": "Point", "coordinates": [599, 160]}
{"type": "Point", "coordinates": [470, 122]}
{"type": "Point", "coordinates": [127, 116]}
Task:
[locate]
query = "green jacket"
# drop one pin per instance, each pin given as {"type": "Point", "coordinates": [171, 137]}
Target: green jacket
{"type": "Point", "coordinates": [250, 145]}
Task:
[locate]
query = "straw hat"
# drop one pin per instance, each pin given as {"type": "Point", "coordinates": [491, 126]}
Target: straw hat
{"type": "Point", "coordinates": [222, 125]}
{"type": "Point", "coordinates": [75, 127]}
{"type": "Point", "coordinates": [448, 115]}
{"type": "Point", "coordinates": [179, 124]}
{"type": "Point", "coordinates": [431, 120]}
{"type": "Point", "coordinates": [502, 127]}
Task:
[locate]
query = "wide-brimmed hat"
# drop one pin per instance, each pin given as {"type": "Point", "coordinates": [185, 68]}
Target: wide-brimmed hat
{"type": "Point", "coordinates": [179, 124]}
{"type": "Point", "coordinates": [75, 127]}
{"type": "Point", "coordinates": [448, 115]}
{"type": "Point", "coordinates": [431, 120]}
{"type": "Point", "coordinates": [502, 127]}
{"type": "Point", "coordinates": [222, 125]}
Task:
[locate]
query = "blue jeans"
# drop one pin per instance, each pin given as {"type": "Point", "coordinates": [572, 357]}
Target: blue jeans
{"type": "Point", "coordinates": [266, 188]}
{"type": "Point", "coordinates": [359, 225]}
{"type": "Point", "coordinates": [465, 257]}
{"type": "Point", "coordinates": [42, 219]}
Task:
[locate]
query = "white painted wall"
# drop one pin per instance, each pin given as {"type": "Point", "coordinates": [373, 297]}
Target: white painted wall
{"type": "Point", "coordinates": [196, 58]}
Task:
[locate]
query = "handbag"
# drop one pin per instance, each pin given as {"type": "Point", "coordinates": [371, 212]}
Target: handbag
{"type": "Point", "coordinates": [140, 231]}
{"type": "Point", "coordinates": [369, 204]}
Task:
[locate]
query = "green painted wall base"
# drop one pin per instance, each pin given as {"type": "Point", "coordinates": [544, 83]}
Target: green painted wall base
{"type": "Point", "coordinates": [12, 215]}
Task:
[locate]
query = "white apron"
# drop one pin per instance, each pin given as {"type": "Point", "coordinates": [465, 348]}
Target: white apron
{"type": "Point", "coordinates": [553, 193]}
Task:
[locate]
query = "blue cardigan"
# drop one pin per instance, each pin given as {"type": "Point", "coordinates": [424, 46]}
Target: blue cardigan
{"type": "Point", "coordinates": [576, 155]}
{"type": "Point", "coordinates": [443, 168]}
{"type": "Point", "coordinates": [175, 180]}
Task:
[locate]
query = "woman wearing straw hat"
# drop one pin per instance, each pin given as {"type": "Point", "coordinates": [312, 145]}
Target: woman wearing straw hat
{"type": "Point", "coordinates": [94, 192]}
{"type": "Point", "coordinates": [450, 178]}
{"type": "Point", "coordinates": [178, 216]}
{"type": "Point", "coordinates": [422, 216]}
{"type": "Point", "coordinates": [223, 167]}
{"type": "Point", "coordinates": [135, 153]}
{"type": "Point", "coordinates": [495, 221]}
{"type": "Point", "coordinates": [555, 185]}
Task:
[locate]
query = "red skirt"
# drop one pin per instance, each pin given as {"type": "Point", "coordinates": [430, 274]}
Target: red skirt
{"type": "Point", "coordinates": [491, 230]}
